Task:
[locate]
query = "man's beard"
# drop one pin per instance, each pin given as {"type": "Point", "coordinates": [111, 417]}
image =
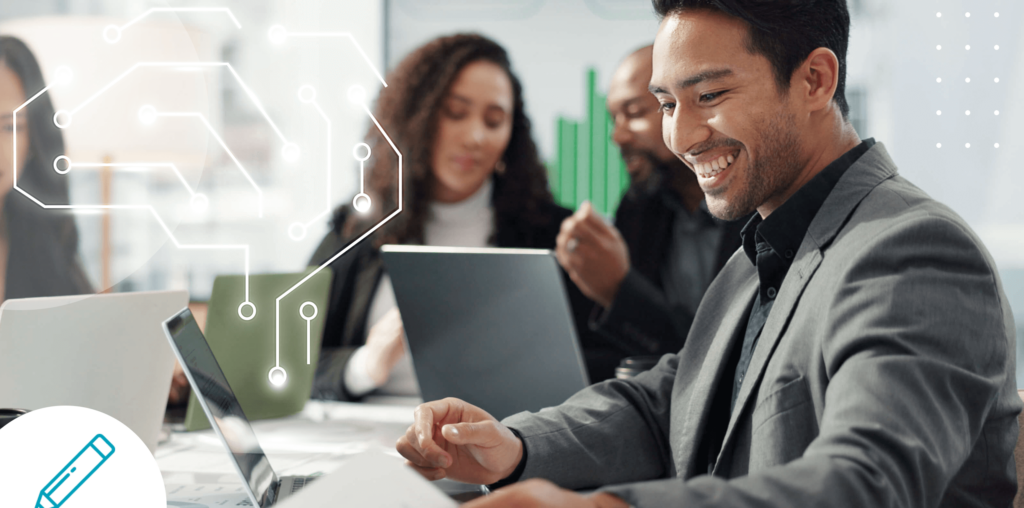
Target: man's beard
{"type": "Point", "coordinates": [774, 170]}
{"type": "Point", "coordinates": [658, 177]}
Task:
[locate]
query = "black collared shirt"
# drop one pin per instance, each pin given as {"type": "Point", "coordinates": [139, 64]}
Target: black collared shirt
{"type": "Point", "coordinates": [772, 244]}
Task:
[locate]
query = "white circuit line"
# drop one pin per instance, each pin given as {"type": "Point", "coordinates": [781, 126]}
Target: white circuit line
{"type": "Point", "coordinates": [170, 165]}
{"type": "Point", "coordinates": [248, 91]}
{"type": "Point", "coordinates": [308, 333]}
{"type": "Point", "coordinates": [362, 177]}
{"type": "Point", "coordinates": [213, 132]}
{"type": "Point", "coordinates": [328, 205]}
{"type": "Point", "coordinates": [351, 38]}
{"type": "Point", "coordinates": [277, 302]}
{"type": "Point", "coordinates": [182, 9]}
{"type": "Point", "coordinates": [117, 207]}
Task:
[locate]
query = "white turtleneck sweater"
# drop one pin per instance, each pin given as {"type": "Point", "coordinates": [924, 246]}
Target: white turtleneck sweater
{"type": "Point", "coordinates": [468, 223]}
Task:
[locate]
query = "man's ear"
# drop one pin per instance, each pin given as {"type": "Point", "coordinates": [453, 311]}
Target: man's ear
{"type": "Point", "coordinates": [815, 82]}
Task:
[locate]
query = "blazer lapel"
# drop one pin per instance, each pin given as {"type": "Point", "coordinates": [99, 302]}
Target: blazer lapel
{"type": "Point", "coordinates": [711, 368]}
{"type": "Point", "coordinates": [870, 170]}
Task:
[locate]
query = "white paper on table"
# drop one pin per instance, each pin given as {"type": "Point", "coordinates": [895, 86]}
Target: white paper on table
{"type": "Point", "coordinates": [371, 479]}
{"type": "Point", "coordinates": [206, 496]}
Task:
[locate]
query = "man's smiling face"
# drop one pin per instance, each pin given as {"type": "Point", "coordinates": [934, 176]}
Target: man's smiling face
{"type": "Point", "coordinates": [724, 115]}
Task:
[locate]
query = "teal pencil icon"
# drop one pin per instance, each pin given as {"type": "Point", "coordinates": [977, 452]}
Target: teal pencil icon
{"type": "Point", "coordinates": [75, 473]}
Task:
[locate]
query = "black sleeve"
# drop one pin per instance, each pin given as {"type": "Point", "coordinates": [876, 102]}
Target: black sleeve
{"type": "Point", "coordinates": [641, 319]}
{"type": "Point", "coordinates": [329, 380]}
{"type": "Point", "coordinates": [518, 472]}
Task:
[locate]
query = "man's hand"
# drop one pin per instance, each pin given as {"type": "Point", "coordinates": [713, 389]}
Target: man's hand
{"type": "Point", "coordinates": [179, 385]}
{"type": "Point", "coordinates": [385, 345]}
{"type": "Point", "coordinates": [451, 438]}
{"type": "Point", "coordinates": [594, 254]}
{"type": "Point", "coordinates": [542, 493]}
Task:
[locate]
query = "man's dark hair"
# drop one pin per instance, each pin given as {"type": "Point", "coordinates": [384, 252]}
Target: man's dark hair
{"type": "Point", "coordinates": [784, 31]}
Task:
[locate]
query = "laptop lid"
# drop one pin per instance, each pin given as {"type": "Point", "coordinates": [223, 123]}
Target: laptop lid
{"type": "Point", "coordinates": [246, 348]}
{"type": "Point", "coordinates": [492, 327]}
{"type": "Point", "coordinates": [221, 407]}
{"type": "Point", "coordinates": [105, 352]}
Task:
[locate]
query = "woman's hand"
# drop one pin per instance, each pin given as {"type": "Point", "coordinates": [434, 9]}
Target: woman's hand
{"type": "Point", "coordinates": [385, 345]}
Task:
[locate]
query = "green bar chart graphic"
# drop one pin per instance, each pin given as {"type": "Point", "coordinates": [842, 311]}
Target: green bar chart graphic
{"type": "Point", "coordinates": [587, 164]}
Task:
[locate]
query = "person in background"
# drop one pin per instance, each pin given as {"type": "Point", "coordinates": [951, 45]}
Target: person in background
{"type": "Point", "coordinates": [473, 178]}
{"type": "Point", "coordinates": [38, 247]}
{"type": "Point", "coordinates": [649, 271]}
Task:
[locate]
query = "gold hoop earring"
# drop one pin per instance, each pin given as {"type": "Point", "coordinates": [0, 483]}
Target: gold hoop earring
{"type": "Point", "coordinates": [499, 168]}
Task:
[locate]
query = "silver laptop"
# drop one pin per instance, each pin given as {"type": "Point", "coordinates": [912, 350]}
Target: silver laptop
{"type": "Point", "coordinates": [492, 327]}
{"type": "Point", "coordinates": [210, 385]}
{"type": "Point", "coordinates": [104, 352]}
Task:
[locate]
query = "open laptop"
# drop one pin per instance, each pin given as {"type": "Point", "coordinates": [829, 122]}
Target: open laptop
{"type": "Point", "coordinates": [246, 348]}
{"type": "Point", "coordinates": [104, 352]}
{"type": "Point", "coordinates": [492, 327]}
{"type": "Point", "coordinates": [218, 401]}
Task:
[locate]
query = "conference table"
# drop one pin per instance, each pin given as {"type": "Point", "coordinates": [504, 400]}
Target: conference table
{"type": "Point", "coordinates": [198, 473]}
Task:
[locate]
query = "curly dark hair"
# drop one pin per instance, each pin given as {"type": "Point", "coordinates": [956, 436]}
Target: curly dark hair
{"type": "Point", "coordinates": [408, 109]}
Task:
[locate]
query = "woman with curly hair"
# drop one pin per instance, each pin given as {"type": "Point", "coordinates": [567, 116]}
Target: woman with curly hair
{"type": "Point", "coordinates": [472, 178]}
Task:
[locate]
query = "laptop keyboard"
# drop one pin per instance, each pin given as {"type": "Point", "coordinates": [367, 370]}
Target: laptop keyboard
{"type": "Point", "coordinates": [301, 481]}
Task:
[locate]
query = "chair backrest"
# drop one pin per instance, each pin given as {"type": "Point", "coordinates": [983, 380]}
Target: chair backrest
{"type": "Point", "coordinates": [1018, 457]}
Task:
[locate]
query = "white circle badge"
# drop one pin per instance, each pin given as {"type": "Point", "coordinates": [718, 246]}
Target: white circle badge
{"type": "Point", "coordinates": [79, 458]}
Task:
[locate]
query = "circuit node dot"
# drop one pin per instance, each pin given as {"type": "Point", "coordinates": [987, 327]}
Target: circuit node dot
{"type": "Point", "coordinates": [302, 311]}
{"type": "Point", "coordinates": [357, 94]}
{"type": "Point", "coordinates": [361, 152]}
{"type": "Point", "coordinates": [277, 376]}
{"type": "Point", "coordinates": [307, 93]}
{"type": "Point", "coordinates": [200, 202]}
{"type": "Point", "coordinates": [147, 115]}
{"type": "Point", "coordinates": [277, 34]}
{"type": "Point", "coordinates": [241, 313]}
{"type": "Point", "coordinates": [290, 152]}
{"type": "Point", "coordinates": [297, 231]}
{"type": "Point", "coordinates": [112, 33]}
{"type": "Point", "coordinates": [361, 202]}
{"type": "Point", "coordinates": [62, 165]}
{"type": "Point", "coordinates": [62, 119]}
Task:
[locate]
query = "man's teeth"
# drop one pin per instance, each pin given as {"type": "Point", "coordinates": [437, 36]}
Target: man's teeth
{"type": "Point", "coordinates": [710, 169]}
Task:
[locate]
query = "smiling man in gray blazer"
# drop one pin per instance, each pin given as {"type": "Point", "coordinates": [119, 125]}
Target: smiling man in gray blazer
{"type": "Point", "coordinates": [858, 351]}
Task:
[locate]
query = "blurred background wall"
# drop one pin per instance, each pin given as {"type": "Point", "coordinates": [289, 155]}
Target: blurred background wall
{"type": "Point", "coordinates": [908, 61]}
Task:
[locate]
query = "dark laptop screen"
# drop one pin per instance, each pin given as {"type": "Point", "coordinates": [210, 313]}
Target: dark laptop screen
{"type": "Point", "coordinates": [220, 404]}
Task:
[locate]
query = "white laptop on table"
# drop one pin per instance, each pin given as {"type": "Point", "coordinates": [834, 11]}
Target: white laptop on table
{"type": "Point", "coordinates": [104, 352]}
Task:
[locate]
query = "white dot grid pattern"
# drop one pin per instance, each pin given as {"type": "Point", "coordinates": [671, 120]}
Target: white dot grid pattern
{"type": "Point", "coordinates": [967, 47]}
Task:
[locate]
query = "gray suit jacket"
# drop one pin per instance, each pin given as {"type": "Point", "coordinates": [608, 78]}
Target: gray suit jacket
{"type": "Point", "coordinates": [883, 377]}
